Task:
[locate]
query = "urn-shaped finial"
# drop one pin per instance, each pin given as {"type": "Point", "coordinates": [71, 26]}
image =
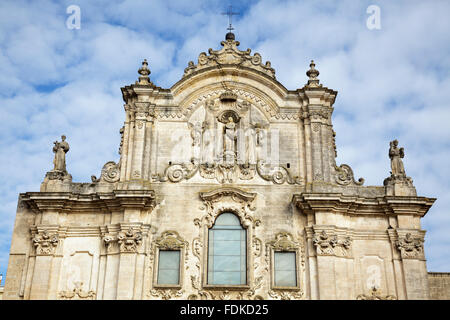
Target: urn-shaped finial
{"type": "Point", "coordinates": [144, 72]}
{"type": "Point", "coordinates": [312, 74]}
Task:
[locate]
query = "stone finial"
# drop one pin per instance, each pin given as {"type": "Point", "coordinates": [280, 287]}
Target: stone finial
{"type": "Point", "coordinates": [312, 74]}
{"type": "Point", "coordinates": [144, 72]}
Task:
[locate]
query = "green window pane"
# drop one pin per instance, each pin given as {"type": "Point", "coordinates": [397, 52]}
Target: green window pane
{"type": "Point", "coordinates": [169, 267]}
{"type": "Point", "coordinates": [285, 269]}
{"type": "Point", "coordinates": [227, 251]}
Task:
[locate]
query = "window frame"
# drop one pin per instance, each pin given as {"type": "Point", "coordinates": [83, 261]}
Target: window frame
{"type": "Point", "coordinates": [169, 241]}
{"type": "Point", "coordinates": [284, 242]}
{"type": "Point", "coordinates": [248, 257]}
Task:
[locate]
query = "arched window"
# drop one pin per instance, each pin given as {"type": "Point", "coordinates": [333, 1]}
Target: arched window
{"type": "Point", "coordinates": [227, 252]}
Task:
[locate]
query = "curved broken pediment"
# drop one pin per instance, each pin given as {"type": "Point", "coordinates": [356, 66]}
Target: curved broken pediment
{"type": "Point", "coordinates": [230, 54]}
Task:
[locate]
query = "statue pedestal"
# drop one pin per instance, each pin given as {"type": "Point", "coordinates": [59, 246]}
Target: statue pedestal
{"type": "Point", "coordinates": [56, 181]}
{"type": "Point", "coordinates": [399, 185]}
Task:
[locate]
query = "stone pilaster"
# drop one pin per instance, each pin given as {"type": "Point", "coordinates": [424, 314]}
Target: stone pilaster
{"type": "Point", "coordinates": [46, 242]}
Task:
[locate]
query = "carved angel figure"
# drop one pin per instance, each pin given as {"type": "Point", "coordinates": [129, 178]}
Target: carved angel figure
{"type": "Point", "coordinates": [396, 154]}
{"type": "Point", "coordinates": [60, 149]}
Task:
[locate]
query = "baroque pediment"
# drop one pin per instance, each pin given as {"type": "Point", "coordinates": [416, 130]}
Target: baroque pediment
{"type": "Point", "coordinates": [230, 55]}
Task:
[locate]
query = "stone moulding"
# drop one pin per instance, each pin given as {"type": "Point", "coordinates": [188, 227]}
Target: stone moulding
{"type": "Point", "coordinates": [77, 202]}
{"type": "Point", "coordinates": [357, 205]}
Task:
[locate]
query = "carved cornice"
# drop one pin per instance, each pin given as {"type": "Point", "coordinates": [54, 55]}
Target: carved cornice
{"type": "Point", "coordinates": [356, 205]}
{"type": "Point", "coordinates": [70, 201]}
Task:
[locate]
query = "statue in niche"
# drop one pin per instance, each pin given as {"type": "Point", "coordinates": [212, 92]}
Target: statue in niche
{"type": "Point", "coordinates": [229, 140]}
{"type": "Point", "coordinates": [60, 149]}
{"type": "Point", "coordinates": [396, 154]}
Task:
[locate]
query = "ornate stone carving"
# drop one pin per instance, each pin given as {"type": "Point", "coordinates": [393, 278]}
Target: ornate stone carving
{"type": "Point", "coordinates": [230, 54]}
{"type": "Point", "coordinates": [328, 245]}
{"type": "Point", "coordinates": [110, 172]}
{"type": "Point", "coordinates": [45, 243]}
{"type": "Point", "coordinates": [109, 241]}
{"type": "Point", "coordinates": [171, 240]}
{"type": "Point", "coordinates": [228, 199]}
{"type": "Point", "coordinates": [129, 241]}
{"type": "Point", "coordinates": [410, 247]}
{"type": "Point", "coordinates": [286, 295]}
{"type": "Point", "coordinates": [375, 294]}
{"type": "Point", "coordinates": [166, 294]}
{"type": "Point", "coordinates": [344, 176]}
{"type": "Point", "coordinates": [77, 293]}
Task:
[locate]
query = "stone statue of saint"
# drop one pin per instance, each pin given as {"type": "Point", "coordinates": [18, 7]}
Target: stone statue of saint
{"type": "Point", "coordinates": [60, 149]}
{"type": "Point", "coordinates": [229, 135]}
{"type": "Point", "coordinates": [396, 154]}
{"type": "Point", "coordinates": [229, 140]}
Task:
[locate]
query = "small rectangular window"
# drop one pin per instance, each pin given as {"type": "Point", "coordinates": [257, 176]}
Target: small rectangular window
{"type": "Point", "coordinates": [169, 267]}
{"type": "Point", "coordinates": [285, 269]}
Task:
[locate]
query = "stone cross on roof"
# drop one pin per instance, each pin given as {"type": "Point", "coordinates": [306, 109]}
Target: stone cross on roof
{"type": "Point", "coordinates": [230, 15]}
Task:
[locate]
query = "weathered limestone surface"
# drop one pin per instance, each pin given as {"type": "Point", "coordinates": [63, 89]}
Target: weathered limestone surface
{"type": "Point", "coordinates": [439, 285]}
{"type": "Point", "coordinates": [227, 137]}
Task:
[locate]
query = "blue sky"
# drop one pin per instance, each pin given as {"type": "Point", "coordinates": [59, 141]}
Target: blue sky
{"type": "Point", "coordinates": [392, 83]}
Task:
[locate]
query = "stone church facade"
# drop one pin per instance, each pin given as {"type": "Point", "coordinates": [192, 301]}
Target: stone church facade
{"type": "Point", "coordinates": [226, 188]}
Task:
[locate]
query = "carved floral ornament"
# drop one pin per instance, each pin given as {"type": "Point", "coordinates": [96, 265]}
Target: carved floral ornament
{"type": "Point", "coordinates": [329, 245]}
{"type": "Point", "coordinates": [45, 243]}
{"type": "Point", "coordinates": [410, 247]}
{"type": "Point", "coordinates": [128, 241]}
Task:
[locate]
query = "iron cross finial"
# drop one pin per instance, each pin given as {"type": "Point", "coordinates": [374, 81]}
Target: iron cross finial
{"type": "Point", "coordinates": [230, 15]}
